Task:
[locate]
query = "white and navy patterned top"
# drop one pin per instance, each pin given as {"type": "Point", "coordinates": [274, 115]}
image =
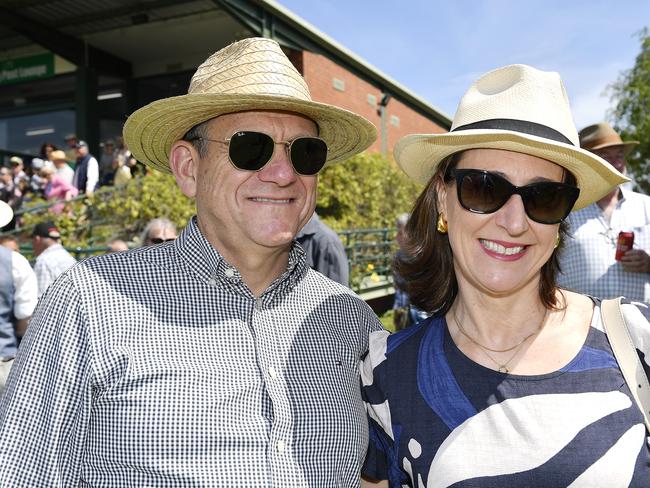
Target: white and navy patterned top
{"type": "Point", "coordinates": [438, 419]}
{"type": "Point", "coordinates": [157, 367]}
{"type": "Point", "coordinates": [587, 262]}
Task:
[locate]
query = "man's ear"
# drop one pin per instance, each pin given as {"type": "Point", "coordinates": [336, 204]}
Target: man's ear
{"type": "Point", "coordinates": [183, 161]}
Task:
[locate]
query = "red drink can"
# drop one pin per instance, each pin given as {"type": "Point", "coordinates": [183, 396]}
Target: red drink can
{"type": "Point", "coordinates": [623, 244]}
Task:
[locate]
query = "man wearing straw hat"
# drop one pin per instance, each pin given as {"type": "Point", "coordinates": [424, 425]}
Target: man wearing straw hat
{"type": "Point", "coordinates": [219, 358]}
{"type": "Point", "coordinates": [589, 264]}
{"type": "Point", "coordinates": [17, 299]}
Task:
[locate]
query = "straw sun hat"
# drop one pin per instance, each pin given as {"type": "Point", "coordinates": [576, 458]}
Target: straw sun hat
{"type": "Point", "coordinates": [517, 108]}
{"type": "Point", "coordinates": [252, 74]}
{"type": "Point", "coordinates": [602, 136]}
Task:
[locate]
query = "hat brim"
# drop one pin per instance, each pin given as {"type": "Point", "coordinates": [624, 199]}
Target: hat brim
{"type": "Point", "coordinates": [419, 155]}
{"type": "Point", "coordinates": [150, 131]}
{"type": "Point", "coordinates": [627, 146]}
{"type": "Point", "coordinates": [6, 213]}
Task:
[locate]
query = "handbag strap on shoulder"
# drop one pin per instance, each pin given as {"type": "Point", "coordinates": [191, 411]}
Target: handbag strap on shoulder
{"type": "Point", "coordinates": [626, 355]}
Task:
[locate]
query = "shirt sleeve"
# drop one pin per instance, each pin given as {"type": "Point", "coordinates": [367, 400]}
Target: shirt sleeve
{"type": "Point", "coordinates": [25, 286]}
{"type": "Point", "coordinates": [92, 176]}
{"type": "Point", "coordinates": [46, 406]}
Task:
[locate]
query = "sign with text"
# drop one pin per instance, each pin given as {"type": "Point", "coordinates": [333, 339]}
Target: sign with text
{"type": "Point", "coordinates": [27, 68]}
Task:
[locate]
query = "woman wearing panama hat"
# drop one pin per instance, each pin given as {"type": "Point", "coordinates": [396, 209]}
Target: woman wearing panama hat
{"type": "Point", "coordinates": [512, 381]}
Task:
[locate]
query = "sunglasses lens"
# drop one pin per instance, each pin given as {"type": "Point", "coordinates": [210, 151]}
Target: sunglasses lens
{"type": "Point", "coordinates": [250, 151]}
{"type": "Point", "coordinates": [308, 155]}
{"type": "Point", "coordinates": [549, 203]}
{"type": "Point", "coordinates": [482, 192]}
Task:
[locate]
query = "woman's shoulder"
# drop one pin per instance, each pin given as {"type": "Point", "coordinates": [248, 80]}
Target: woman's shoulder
{"type": "Point", "coordinates": [387, 348]}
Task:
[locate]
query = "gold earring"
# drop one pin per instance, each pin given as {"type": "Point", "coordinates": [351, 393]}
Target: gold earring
{"type": "Point", "coordinates": [557, 241]}
{"type": "Point", "coordinates": [442, 225]}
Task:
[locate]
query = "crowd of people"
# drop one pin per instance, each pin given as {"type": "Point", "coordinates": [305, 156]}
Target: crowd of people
{"type": "Point", "coordinates": [60, 174]}
{"type": "Point", "coordinates": [221, 358]}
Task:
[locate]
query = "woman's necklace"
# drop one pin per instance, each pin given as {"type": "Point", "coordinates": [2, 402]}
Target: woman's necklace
{"type": "Point", "coordinates": [502, 367]}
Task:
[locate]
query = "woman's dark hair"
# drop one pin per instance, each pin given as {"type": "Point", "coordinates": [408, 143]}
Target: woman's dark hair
{"type": "Point", "coordinates": [427, 264]}
{"type": "Point", "coordinates": [43, 151]}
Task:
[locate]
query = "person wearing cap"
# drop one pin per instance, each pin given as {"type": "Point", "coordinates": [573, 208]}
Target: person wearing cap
{"type": "Point", "coordinates": [219, 358]}
{"type": "Point", "coordinates": [86, 171]}
{"type": "Point", "coordinates": [107, 162]}
{"type": "Point", "coordinates": [18, 296]}
{"type": "Point", "coordinates": [51, 257]}
{"type": "Point", "coordinates": [18, 171]}
{"type": "Point", "coordinates": [511, 381]}
{"type": "Point", "coordinates": [71, 147]}
{"type": "Point", "coordinates": [589, 263]}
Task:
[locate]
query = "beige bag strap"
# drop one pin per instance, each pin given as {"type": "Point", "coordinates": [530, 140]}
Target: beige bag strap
{"type": "Point", "coordinates": [626, 355]}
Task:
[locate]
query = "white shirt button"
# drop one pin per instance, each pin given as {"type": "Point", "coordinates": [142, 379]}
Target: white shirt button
{"type": "Point", "coordinates": [258, 304]}
{"type": "Point", "coordinates": [229, 272]}
{"type": "Point", "coordinates": [212, 282]}
{"type": "Point", "coordinates": [272, 373]}
{"type": "Point", "coordinates": [280, 446]}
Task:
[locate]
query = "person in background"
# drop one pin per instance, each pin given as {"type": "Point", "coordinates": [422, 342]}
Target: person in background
{"type": "Point", "coordinates": [71, 147]}
{"type": "Point", "coordinates": [117, 245]}
{"type": "Point", "coordinates": [18, 172]}
{"type": "Point", "coordinates": [63, 169]}
{"type": "Point", "coordinates": [107, 163]}
{"type": "Point", "coordinates": [588, 263]}
{"type": "Point", "coordinates": [57, 188]}
{"type": "Point", "coordinates": [221, 358]}
{"type": "Point", "coordinates": [86, 172]}
{"type": "Point", "coordinates": [18, 296]}
{"type": "Point", "coordinates": [51, 257]}
{"type": "Point", "coordinates": [404, 313]}
{"type": "Point", "coordinates": [121, 170]}
{"type": "Point", "coordinates": [324, 250]}
{"type": "Point", "coordinates": [10, 241]}
{"type": "Point", "coordinates": [11, 194]}
{"type": "Point", "coordinates": [157, 231]}
{"type": "Point", "coordinates": [512, 382]}
{"type": "Point", "coordinates": [46, 150]}
{"type": "Point", "coordinates": [36, 180]}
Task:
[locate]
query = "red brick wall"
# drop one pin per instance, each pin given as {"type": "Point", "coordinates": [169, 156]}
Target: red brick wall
{"type": "Point", "coordinates": [319, 72]}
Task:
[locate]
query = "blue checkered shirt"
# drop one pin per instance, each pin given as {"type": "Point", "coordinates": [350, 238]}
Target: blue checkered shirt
{"type": "Point", "coordinates": [587, 262]}
{"type": "Point", "coordinates": [157, 367]}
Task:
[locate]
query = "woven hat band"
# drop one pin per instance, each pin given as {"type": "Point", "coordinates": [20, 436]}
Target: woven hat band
{"type": "Point", "coordinates": [523, 126]}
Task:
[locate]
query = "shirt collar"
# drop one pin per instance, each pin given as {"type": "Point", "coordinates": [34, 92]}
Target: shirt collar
{"type": "Point", "coordinates": [207, 264]}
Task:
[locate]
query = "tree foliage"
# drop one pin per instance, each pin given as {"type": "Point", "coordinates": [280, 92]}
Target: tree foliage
{"type": "Point", "coordinates": [631, 93]}
{"type": "Point", "coordinates": [367, 191]}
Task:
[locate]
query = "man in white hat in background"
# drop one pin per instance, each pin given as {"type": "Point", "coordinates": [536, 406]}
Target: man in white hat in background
{"type": "Point", "coordinates": [588, 262]}
{"type": "Point", "coordinates": [219, 358]}
{"type": "Point", "coordinates": [17, 299]}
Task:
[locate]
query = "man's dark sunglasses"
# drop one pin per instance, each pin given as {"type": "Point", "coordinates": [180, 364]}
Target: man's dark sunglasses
{"type": "Point", "coordinates": [485, 192]}
{"type": "Point", "coordinates": [160, 240]}
{"type": "Point", "coordinates": [250, 151]}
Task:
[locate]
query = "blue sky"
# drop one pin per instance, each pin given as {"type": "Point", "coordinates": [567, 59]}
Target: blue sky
{"type": "Point", "coordinates": [436, 48]}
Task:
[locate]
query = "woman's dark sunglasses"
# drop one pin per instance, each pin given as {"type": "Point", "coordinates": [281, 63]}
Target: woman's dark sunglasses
{"type": "Point", "coordinates": [484, 192]}
{"type": "Point", "coordinates": [250, 151]}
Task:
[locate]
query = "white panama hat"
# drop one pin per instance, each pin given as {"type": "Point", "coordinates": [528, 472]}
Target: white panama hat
{"type": "Point", "coordinates": [6, 213]}
{"type": "Point", "coordinates": [516, 108]}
